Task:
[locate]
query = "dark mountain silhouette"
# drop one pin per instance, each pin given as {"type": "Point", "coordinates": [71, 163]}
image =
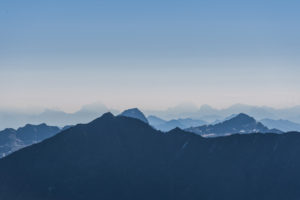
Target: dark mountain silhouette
{"type": "Point", "coordinates": [240, 123]}
{"type": "Point", "coordinates": [135, 113]}
{"type": "Point", "coordinates": [165, 125]}
{"type": "Point", "coordinates": [124, 158]}
{"type": "Point", "coordinates": [12, 140]}
{"type": "Point", "coordinates": [284, 125]}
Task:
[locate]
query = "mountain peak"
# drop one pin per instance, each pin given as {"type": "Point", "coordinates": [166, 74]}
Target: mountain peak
{"type": "Point", "coordinates": [243, 115]}
{"type": "Point", "coordinates": [104, 118]}
{"type": "Point", "coordinates": [242, 118]}
{"type": "Point", "coordinates": [34, 126]}
{"type": "Point", "coordinates": [175, 130]}
{"type": "Point", "coordinates": [8, 130]}
{"type": "Point", "coordinates": [134, 113]}
{"type": "Point", "coordinates": [107, 115]}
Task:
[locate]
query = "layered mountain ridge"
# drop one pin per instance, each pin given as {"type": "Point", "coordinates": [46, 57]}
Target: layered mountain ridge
{"type": "Point", "coordinates": [284, 125]}
{"type": "Point", "coordinates": [125, 158]}
{"type": "Point", "coordinates": [167, 125]}
{"type": "Point", "coordinates": [240, 123]}
{"type": "Point", "coordinates": [12, 140]}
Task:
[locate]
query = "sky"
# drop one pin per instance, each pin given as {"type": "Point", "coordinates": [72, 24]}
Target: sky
{"type": "Point", "coordinates": [149, 54]}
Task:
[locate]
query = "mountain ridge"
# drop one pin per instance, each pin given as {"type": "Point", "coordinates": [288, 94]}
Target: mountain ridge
{"type": "Point", "coordinates": [15, 139]}
{"type": "Point", "coordinates": [241, 123]}
{"type": "Point", "coordinates": [125, 158]}
{"type": "Point", "coordinates": [167, 125]}
{"type": "Point", "coordinates": [284, 125]}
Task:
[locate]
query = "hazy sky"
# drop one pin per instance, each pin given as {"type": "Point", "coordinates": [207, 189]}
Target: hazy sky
{"type": "Point", "coordinates": [150, 54]}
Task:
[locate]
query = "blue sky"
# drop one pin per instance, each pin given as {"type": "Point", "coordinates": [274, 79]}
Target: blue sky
{"type": "Point", "coordinates": [151, 54]}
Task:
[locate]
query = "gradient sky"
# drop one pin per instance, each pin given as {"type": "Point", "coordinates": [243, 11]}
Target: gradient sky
{"type": "Point", "coordinates": [151, 54]}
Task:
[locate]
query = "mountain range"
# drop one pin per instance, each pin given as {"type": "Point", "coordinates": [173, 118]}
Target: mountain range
{"type": "Point", "coordinates": [125, 158]}
{"type": "Point", "coordinates": [284, 125]}
{"type": "Point", "coordinates": [18, 118]}
{"type": "Point", "coordinates": [167, 125]}
{"type": "Point", "coordinates": [240, 123]}
{"type": "Point", "coordinates": [12, 140]}
{"type": "Point", "coordinates": [210, 114]}
{"type": "Point", "coordinates": [54, 117]}
{"type": "Point", "coordinates": [160, 124]}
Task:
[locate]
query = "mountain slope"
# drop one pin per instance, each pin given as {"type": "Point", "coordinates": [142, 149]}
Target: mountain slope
{"type": "Point", "coordinates": [241, 123]}
{"type": "Point", "coordinates": [124, 158]}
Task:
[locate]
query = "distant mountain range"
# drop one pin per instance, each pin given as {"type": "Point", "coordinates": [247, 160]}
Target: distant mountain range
{"type": "Point", "coordinates": [125, 158]}
{"type": "Point", "coordinates": [15, 119]}
{"type": "Point", "coordinates": [284, 125]}
{"type": "Point", "coordinates": [210, 114]}
{"type": "Point", "coordinates": [160, 124]}
{"type": "Point", "coordinates": [12, 140]}
{"type": "Point", "coordinates": [167, 125]}
{"type": "Point", "coordinates": [240, 123]}
{"type": "Point", "coordinates": [235, 123]}
{"type": "Point", "coordinates": [206, 113]}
